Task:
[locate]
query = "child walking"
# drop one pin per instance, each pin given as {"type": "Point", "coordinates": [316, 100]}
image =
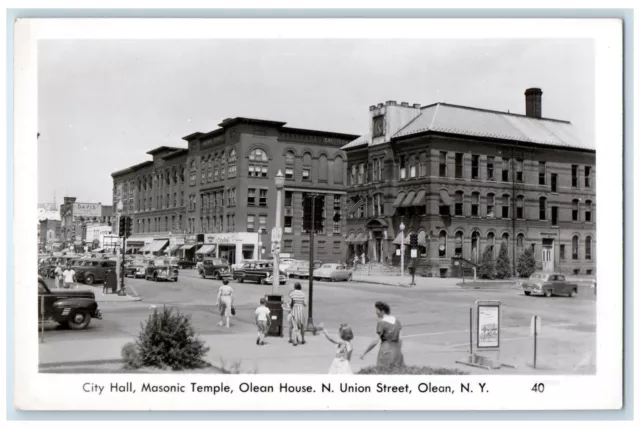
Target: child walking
{"type": "Point", "coordinates": [342, 362]}
{"type": "Point", "coordinates": [262, 321]}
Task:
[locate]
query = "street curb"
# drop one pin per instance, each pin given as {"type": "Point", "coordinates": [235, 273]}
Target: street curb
{"type": "Point", "coordinates": [373, 282]}
{"type": "Point", "coordinates": [133, 299]}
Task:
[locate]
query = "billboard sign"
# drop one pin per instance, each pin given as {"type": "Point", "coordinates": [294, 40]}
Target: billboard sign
{"type": "Point", "coordinates": [488, 324]}
{"type": "Point", "coordinates": [87, 210]}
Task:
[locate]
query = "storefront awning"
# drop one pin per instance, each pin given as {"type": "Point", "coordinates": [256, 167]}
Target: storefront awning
{"type": "Point", "coordinates": [422, 239]}
{"type": "Point", "coordinates": [398, 239]}
{"type": "Point", "coordinates": [350, 238]}
{"type": "Point", "coordinates": [134, 243]}
{"type": "Point", "coordinates": [157, 245]}
{"type": "Point", "coordinates": [445, 199]}
{"type": "Point", "coordinates": [145, 248]}
{"type": "Point", "coordinates": [420, 199]}
{"type": "Point", "coordinates": [187, 247]}
{"type": "Point", "coordinates": [360, 239]}
{"type": "Point", "coordinates": [172, 249]}
{"type": "Point", "coordinates": [399, 199]}
{"type": "Point", "coordinates": [408, 200]}
{"type": "Point", "coordinates": [206, 249]}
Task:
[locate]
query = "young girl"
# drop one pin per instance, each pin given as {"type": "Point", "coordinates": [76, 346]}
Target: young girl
{"type": "Point", "coordinates": [341, 363]}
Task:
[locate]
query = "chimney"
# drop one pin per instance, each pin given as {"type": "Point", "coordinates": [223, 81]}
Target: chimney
{"type": "Point", "coordinates": [404, 104]}
{"type": "Point", "coordinates": [533, 98]}
{"type": "Point", "coordinates": [391, 103]}
{"type": "Point", "coordinates": [416, 106]}
{"type": "Point", "coordinates": [380, 105]}
{"type": "Point", "coordinates": [371, 108]}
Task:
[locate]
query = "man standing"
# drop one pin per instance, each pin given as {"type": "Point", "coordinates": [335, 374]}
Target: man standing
{"type": "Point", "coordinates": [58, 275]}
{"type": "Point", "coordinates": [69, 277]}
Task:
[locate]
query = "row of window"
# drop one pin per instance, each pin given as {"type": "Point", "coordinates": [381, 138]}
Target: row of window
{"type": "Point", "coordinates": [159, 224]}
{"type": "Point", "coordinates": [212, 200]}
{"type": "Point", "coordinates": [414, 166]}
{"type": "Point", "coordinates": [210, 224]}
{"type": "Point", "coordinates": [321, 246]}
{"type": "Point", "coordinates": [335, 208]}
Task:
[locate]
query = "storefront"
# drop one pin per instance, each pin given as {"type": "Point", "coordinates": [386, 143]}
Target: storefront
{"type": "Point", "coordinates": [175, 244]}
{"type": "Point", "coordinates": [235, 247]}
{"type": "Point", "coordinates": [135, 244]}
{"type": "Point", "coordinates": [188, 248]}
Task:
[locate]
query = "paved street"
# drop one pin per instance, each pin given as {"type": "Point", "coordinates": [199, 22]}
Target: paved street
{"type": "Point", "coordinates": [435, 318]}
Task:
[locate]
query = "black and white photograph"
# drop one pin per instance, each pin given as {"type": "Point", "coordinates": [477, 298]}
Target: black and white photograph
{"type": "Point", "coordinates": [215, 212]}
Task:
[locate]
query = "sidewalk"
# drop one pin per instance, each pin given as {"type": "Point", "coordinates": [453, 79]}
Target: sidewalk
{"type": "Point", "coordinates": [108, 297]}
{"type": "Point", "coordinates": [398, 281]}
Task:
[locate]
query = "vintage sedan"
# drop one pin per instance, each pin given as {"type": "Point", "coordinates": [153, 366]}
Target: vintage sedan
{"type": "Point", "coordinates": [332, 272]}
{"type": "Point", "coordinates": [548, 284]}
{"type": "Point", "coordinates": [255, 271]}
{"type": "Point", "coordinates": [216, 268]}
{"type": "Point", "coordinates": [269, 279]}
{"type": "Point", "coordinates": [134, 269]}
{"type": "Point", "coordinates": [300, 269]}
{"type": "Point", "coordinates": [68, 307]}
{"type": "Point", "coordinates": [160, 269]}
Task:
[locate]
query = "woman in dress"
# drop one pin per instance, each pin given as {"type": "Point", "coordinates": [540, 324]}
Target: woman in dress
{"type": "Point", "coordinates": [298, 313]}
{"type": "Point", "coordinates": [342, 362]}
{"type": "Point", "coordinates": [225, 302]}
{"type": "Point", "coordinates": [388, 331]}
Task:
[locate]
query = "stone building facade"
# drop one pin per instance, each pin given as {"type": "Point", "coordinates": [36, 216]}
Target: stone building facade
{"type": "Point", "coordinates": [465, 179]}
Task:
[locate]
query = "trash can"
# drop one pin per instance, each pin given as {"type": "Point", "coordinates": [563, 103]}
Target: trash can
{"type": "Point", "coordinates": [274, 304]}
{"type": "Point", "coordinates": [111, 281]}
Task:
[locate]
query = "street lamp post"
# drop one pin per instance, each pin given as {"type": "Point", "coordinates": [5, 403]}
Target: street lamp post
{"type": "Point", "coordinates": [276, 236]}
{"type": "Point", "coordinates": [402, 249]}
{"type": "Point", "coordinates": [119, 267]}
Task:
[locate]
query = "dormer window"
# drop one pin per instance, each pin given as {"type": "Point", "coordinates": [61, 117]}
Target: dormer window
{"type": "Point", "coordinates": [378, 126]}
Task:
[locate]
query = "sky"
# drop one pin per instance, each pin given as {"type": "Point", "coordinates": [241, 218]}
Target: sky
{"type": "Point", "coordinates": [103, 104]}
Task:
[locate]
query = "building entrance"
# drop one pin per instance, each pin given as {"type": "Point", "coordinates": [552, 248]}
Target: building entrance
{"type": "Point", "coordinates": [547, 255]}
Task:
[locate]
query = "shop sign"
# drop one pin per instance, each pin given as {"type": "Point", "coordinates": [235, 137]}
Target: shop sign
{"type": "Point", "coordinates": [190, 239]}
{"type": "Point", "coordinates": [87, 210]}
{"type": "Point", "coordinates": [222, 239]}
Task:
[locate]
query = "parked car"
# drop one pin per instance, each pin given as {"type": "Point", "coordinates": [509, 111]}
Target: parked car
{"type": "Point", "coordinates": [300, 269]}
{"type": "Point", "coordinates": [184, 263]}
{"type": "Point", "coordinates": [216, 268]}
{"type": "Point", "coordinates": [548, 284]}
{"type": "Point", "coordinates": [90, 271]}
{"type": "Point", "coordinates": [160, 269]}
{"type": "Point", "coordinates": [68, 307]}
{"type": "Point", "coordinates": [285, 263]}
{"type": "Point", "coordinates": [134, 269]}
{"type": "Point", "coordinates": [256, 271]}
{"type": "Point", "coordinates": [269, 279]}
{"type": "Point", "coordinates": [332, 272]}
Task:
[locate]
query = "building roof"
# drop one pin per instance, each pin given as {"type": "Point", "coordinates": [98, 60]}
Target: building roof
{"type": "Point", "coordinates": [161, 149]}
{"type": "Point", "coordinates": [472, 122]}
{"type": "Point", "coordinates": [179, 152]}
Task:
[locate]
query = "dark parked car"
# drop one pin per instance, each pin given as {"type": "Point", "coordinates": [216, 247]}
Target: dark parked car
{"type": "Point", "coordinates": [160, 269]}
{"type": "Point", "coordinates": [90, 271]}
{"type": "Point", "coordinates": [134, 269]}
{"type": "Point", "coordinates": [68, 307]}
{"type": "Point", "coordinates": [216, 268]}
{"type": "Point", "coordinates": [255, 271]}
{"type": "Point", "coordinates": [548, 284]}
{"type": "Point", "coordinates": [185, 263]}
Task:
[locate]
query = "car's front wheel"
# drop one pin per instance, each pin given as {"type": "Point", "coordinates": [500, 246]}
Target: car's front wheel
{"type": "Point", "coordinates": [263, 281]}
{"type": "Point", "coordinates": [548, 293]}
{"type": "Point", "coordinates": [573, 293]}
{"type": "Point", "coordinates": [527, 293]}
{"type": "Point", "coordinates": [89, 279]}
{"type": "Point", "coordinates": [79, 320]}
{"type": "Point", "coordinates": [217, 275]}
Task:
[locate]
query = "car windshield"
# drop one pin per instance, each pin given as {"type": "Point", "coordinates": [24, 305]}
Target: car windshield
{"type": "Point", "coordinates": [539, 276]}
{"type": "Point", "coordinates": [218, 262]}
{"type": "Point", "coordinates": [327, 266]}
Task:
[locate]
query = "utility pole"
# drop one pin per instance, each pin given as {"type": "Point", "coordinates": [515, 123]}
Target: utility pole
{"type": "Point", "coordinates": [312, 232]}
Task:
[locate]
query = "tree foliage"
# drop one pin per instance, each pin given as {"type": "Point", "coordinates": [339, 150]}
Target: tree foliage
{"type": "Point", "coordinates": [487, 269]}
{"type": "Point", "coordinates": [526, 263]}
{"type": "Point", "coordinates": [503, 263]}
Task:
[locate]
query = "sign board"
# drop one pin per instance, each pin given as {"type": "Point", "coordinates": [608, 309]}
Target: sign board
{"type": "Point", "coordinates": [276, 234]}
{"type": "Point", "coordinates": [488, 317]}
{"type": "Point", "coordinates": [87, 210]}
{"type": "Point", "coordinates": [537, 320]}
{"type": "Point", "coordinates": [414, 253]}
{"type": "Point", "coordinates": [397, 252]}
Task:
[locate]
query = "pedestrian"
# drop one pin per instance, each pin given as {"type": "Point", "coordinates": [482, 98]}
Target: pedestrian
{"type": "Point", "coordinates": [362, 257]}
{"type": "Point", "coordinates": [225, 303]}
{"type": "Point", "coordinates": [262, 321]}
{"type": "Point", "coordinates": [298, 303]}
{"type": "Point", "coordinates": [388, 331]}
{"type": "Point", "coordinates": [58, 276]}
{"type": "Point", "coordinates": [287, 308]}
{"type": "Point", "coordinates": [69, 277]}
{"type": "Point", "coordinates": [342, 362]}
{"type": "Point", "coordinates": [355, 261]}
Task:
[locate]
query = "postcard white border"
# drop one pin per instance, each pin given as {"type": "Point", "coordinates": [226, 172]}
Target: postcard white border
{"type": "Point", "coordinates": [36, 391]}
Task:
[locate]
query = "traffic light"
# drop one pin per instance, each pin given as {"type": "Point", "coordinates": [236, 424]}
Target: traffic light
{"type": "Point", "coordinates": [336, 217]}
{"type": "Point", "coordinates": [121, 226]}
{"type": "Point", "coordinates": [306, 213]}
{"type": "Point", "coordinates": [318, 214]}
{"type": "Point", "coordinates": [127, 226]}
{"type": "Point", "coordinates": [413, 240]}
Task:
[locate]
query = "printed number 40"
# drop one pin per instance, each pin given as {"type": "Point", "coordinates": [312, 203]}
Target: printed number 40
{"type": "Point", "coordinates": [538, 387]}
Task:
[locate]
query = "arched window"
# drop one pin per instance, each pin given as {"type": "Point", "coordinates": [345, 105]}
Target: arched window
{"type": "Point", "coordinates": [231, 167]}
{"type": "Point", "coordinates": [475, 204]}
{"type": "Point", "coordinates": [543, 208]}
{"type": "Point", "coordinates": [413, 167]}
{"type": "Point", "coordinates": [575, 210]}
{"type": "Point", "coordinates": [442, 246]}
{"type": "Point", "coordinates": [491, 205]}
{"type": "Point", "coordinates": [306, 167]}
{"type": "Point", "coordinates": [289, 164]}
{"type": "Point", "coordinates": [587, 248]}
{"type": "Point", "coordinates": [215, 165]}
{"type": "Point", "coordinates": [459, 244]}
{"type": "Point", "coordinates": [323, 168]}
{"type": "Point", "coordinates": [520, 207]}
{"type": "Point", "coordinates": [475, 247]}
{"type": "Point", "coordinates": [223, 165]}
{"type": "Point", "coordinates": [505, 239]}
{"type": "Point", "coordinates": [168, 178]}
{"type": "Point", "coordinates": [491, 243]}
{"type": "Point", "coordinates": [574, 248]}
{"type": "Point", "coordinates": [181, 175]}
{"type": "Point", "coordinates": [193, 164]}
{"type": "Point", "coordinates": [338, 170]}
{"type": "Point", "coordinates": [258, 163]}
{"type": "Point", "coordinates": [505, 206]}
{"type": "Point", "coordinates": [459, 207]}
{"type": "Point", "coordinates": [520, 243]}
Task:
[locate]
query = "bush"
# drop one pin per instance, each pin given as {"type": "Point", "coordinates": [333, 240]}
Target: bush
{"type": "Point", "coordinates": [487, 269]}
{"type": "Point", "coordinates": [130, 356]}
{"type": "Point", "coordinates": [167, 340]}
{"type": "Point", "coordinates": [410, 370]}
{"type": "Point", "coordinates": [526, 263]}
{"type": "Point", "coordinates": [503, 264]}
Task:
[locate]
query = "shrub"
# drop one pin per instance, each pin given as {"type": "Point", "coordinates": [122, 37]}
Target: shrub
{"type": "Point", "coordinates": [526, 263]}
{"type": "Point", "coordinates": [487, 269]}
{"type": "Point", "coordinates": [503, 264]}
{"type": "Point", "coordinates": [410, 370]}
{"type": "Point", "coordinates": [168, 340]}
{"type": "Point", "coordinates": [130, 356]}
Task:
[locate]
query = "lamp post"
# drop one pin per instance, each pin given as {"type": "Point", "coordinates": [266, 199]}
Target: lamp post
{"type": "Point", "coordinates": [276, 235]}
{"type": "Point", "coordinates": [402, 249]}
{"type": "Point", "coordinates": [119, 267]}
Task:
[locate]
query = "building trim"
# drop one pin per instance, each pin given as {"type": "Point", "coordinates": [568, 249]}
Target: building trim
{"type": "Point", "coordinates": [318, 191]}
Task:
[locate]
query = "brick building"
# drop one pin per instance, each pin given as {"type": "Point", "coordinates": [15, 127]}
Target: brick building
{"type": "Point", "coordinates": [224, 190]}
{"type": "Point", "coordinates": [77, 219]}
{"type": "Point", "coordinates": [463, 179]}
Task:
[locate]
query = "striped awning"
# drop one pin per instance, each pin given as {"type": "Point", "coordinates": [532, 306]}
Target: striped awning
{"type": "Point", "coordinates": [360, 239]}
{"type": "Point", "coordinates": [146, 247]}
{"type": "Point", "coordinates": [420, 199]}
{"type": "Point", "coordinates": [398, 239]}
{"type": "Point", "coordinates": [422, 239]}
{"type": "Point", "coordinates": [445, 199]}
{"type": "Point", "coordinates": [399, 199]}
{"type": "Point", "coordinates": [206, 249]}
{"type": "Point", "coordinates": [408, 200]}
{"type": "Point", "coordinates": [157, 245]}
{"type": "Point", "coordinates": [187, 247]}
{"type": "Point", "coordinates": [354, 205]}
{"type": "Point", "coordinates": [172, 249]}
{"type": "Point", "coordinates": [350, 238]}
